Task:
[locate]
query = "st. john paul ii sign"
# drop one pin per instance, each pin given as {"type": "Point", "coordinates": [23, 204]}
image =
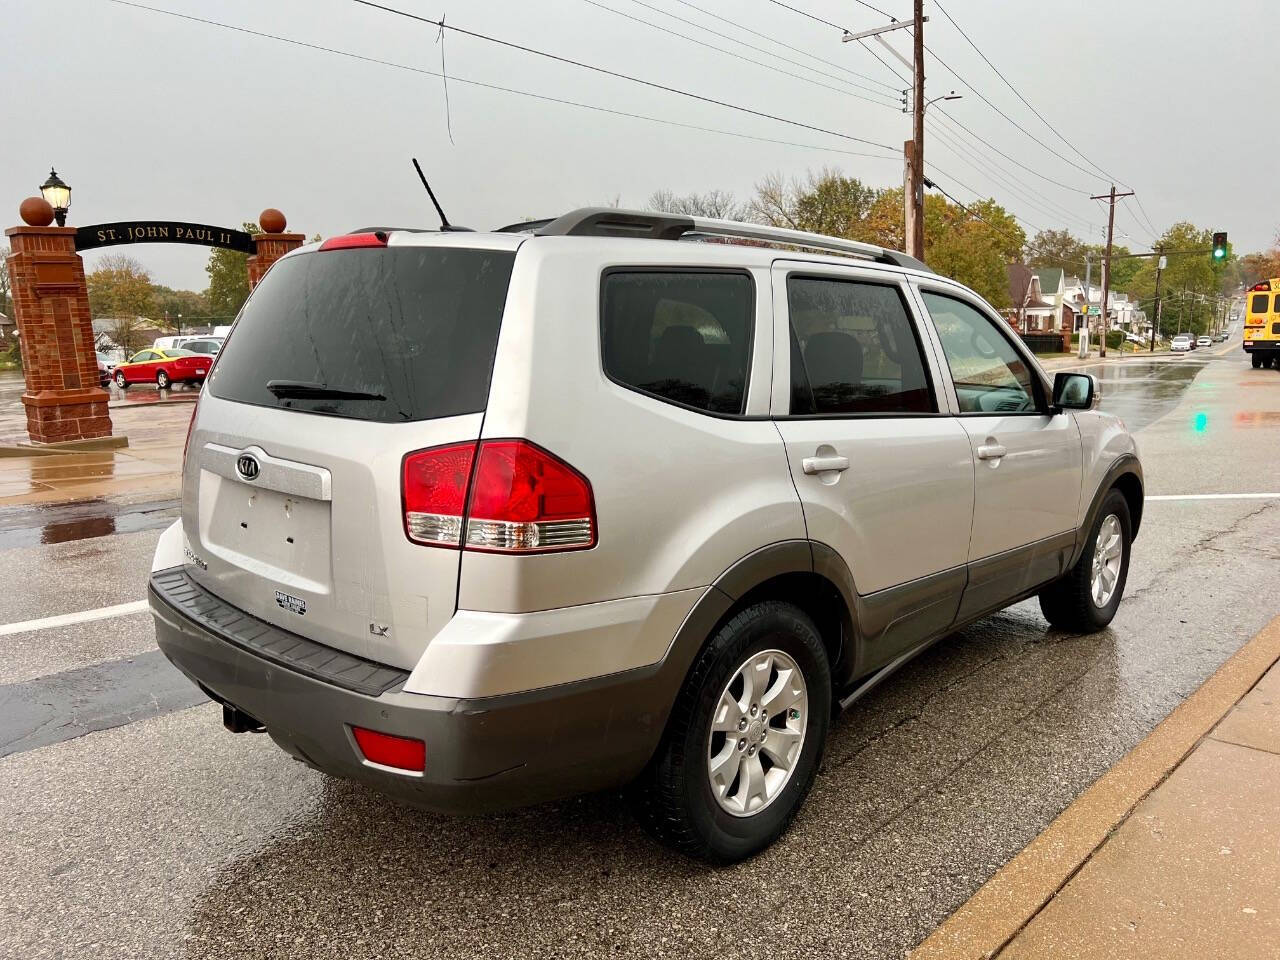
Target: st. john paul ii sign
{"type": "Point", "coordinates": [162, 231]}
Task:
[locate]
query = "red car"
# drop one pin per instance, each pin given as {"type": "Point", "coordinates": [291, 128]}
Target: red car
{"type": "Point", "coordinates": [163, 367]}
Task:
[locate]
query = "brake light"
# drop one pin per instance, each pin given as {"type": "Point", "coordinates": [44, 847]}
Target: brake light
{"type": "Point", "coordinates": [402, 753]}
{"type": "Point", "coordinates": [524, 499]}
{"type": "Point", "coordinates": [348, 240]}
{"type": "Point", "coordinates": [1264, 285]}
{"type": "Point", "coordinates": [509, 496]}
{"type": "Point", "coordinates": [433, 486]}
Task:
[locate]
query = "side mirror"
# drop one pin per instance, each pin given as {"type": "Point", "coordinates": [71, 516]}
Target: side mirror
{"type": "Point", "coordinates": [1076, 391]}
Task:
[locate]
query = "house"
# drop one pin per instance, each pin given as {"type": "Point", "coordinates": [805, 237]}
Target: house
{"type": "Point", "coordinates": [8, 330]}
{"type": "Point", "coordinates": [1037, 298]}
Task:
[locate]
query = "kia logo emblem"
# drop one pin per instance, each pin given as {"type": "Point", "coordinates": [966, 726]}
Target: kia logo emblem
{"type": "Point", "coordinates": [247, 466]}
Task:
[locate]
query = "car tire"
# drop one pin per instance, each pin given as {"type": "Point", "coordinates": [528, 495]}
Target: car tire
{"type": "Point", "coordinates": [1085, 600]}
{"type": "Point", "coordinates": [721, 818]}
{"type": "Point", "coordinates": [121, 382]}
{"type": "Point", "coordinates": [162, 380]}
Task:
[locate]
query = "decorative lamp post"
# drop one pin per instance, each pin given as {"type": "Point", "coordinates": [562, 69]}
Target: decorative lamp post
{"type": "Point", "coordinates": [58, 195]}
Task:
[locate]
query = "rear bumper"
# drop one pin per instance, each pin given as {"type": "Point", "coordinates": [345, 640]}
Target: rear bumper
{"type": "Point", "coordinates": [482, 754]}
{"type": "Point", "coordinates": [1261, 346]}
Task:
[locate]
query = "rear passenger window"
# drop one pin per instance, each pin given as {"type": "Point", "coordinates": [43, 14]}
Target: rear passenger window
{"type": "Point", "coordinates": [853, 350]}
{"type": "Point", "coordinates": [1258, 303]}
{"type": "Point", "coordinates": [681, 336]}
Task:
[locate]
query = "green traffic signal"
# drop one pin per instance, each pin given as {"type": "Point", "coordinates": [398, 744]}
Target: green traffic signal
{"type": "Point", "coordinates": [1220, 246]}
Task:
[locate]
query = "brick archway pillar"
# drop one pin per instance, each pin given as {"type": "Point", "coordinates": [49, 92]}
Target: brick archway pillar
{"type": "Point", "coordinates": [51, 306]}
{"type": "Point", "coordinates": [272, 244]}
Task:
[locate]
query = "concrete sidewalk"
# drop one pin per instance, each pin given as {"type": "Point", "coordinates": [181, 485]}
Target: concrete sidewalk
{"type": "Point", "coordinates": [1175, 852]}
{"type": "Point", "coordinates": [149, 468]}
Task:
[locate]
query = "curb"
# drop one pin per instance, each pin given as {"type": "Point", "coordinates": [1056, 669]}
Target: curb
{"type": "Point", "coordinates": [96, 445]}
{"type": "Point", "coordinates": [1006, 903]}
{"type": "Point", "coordinates": [138, 404]}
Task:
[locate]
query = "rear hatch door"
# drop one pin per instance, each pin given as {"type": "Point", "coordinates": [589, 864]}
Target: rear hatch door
{"type": "Point", "coordinates": [342, 361]}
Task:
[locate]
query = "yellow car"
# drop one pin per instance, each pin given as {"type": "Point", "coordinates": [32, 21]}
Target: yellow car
{"type": "Point", "coordinates": [163, 368]}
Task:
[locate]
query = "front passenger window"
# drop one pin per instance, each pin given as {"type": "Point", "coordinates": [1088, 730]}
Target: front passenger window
{"type": "Point", "coordinates": [989, 375]}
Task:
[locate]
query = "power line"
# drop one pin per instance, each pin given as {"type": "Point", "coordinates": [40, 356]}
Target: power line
{"type": "Point", "coordinates": [1027, 195]}
{"type": "Point", "coordinates": [1025, 101]}
{"type": "Point", "coordinates": [617, 75]}
{"type": "Point", "coordinates": [885, 102]}
{"type": "Point", "coordinates": [493, 86]}
{"type": "Point", "coordinates": [764, 36]}
{"type": "Point", "coordinates": [1018, 163]}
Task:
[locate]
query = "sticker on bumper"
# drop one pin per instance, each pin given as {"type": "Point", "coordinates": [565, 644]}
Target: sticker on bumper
{"type": "Point", "coordinates": [292, 604]}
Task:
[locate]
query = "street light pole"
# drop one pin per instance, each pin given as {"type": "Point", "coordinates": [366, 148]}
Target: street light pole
{"type": "Point", "coordinates": [1159, 268]}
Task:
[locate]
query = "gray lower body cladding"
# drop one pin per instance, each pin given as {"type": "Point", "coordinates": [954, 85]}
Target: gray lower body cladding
{"type": "Point", "coordinates": [481, 755]}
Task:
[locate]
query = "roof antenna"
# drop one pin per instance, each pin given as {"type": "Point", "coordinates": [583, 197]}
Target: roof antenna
{"type": "Point", "coordinates": [445, 225]}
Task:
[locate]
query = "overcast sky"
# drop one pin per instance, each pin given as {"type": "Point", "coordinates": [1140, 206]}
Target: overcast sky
{"type": "Point", "coordinates": [152, 117]}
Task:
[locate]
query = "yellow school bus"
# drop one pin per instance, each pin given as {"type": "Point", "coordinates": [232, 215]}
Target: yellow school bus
{"type": "Point", "coordinates": [1262, 323]}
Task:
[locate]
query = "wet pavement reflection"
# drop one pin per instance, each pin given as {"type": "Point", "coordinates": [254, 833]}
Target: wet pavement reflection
{"type": "Point", "coordinates": [1142, 391]}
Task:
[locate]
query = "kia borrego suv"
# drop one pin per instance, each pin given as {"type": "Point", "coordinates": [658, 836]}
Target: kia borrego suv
{"type": "Point", "coordinates": [485, 519]}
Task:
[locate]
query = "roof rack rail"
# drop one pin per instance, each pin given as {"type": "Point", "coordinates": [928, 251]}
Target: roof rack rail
{"type": "Point", "coordinates": [610, 222]}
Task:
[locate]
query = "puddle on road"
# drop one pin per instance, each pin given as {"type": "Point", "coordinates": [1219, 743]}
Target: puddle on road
{"type": "Point", "coordinates": [32, 526]}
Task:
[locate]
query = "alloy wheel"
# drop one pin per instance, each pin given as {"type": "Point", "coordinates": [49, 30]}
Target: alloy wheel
{"type": "Point", "coordinates": [757, 733]}
{"type": "Point", "coordinates": [1108, 551]}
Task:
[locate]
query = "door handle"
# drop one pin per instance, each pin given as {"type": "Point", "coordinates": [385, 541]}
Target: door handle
{"type": "Point", "coordinates": [826, 464]}
{"type": "Point", "coordinates": [991, 451]}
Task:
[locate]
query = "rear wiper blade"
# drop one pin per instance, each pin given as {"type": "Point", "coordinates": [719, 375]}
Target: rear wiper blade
{"type": "Point", "coordinates": [302, 390]}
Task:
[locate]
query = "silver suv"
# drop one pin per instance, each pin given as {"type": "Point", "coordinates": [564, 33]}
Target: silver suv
{"type": "Point", "coordinates": [485, 519]}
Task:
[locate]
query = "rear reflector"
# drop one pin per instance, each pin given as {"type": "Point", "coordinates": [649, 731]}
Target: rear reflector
{"type": "Point", "coordinates": [510, 496]}
{"type": "Point", "coordinates": [348, 240]}
{"type": "Point", "coordinates": [402, 753]}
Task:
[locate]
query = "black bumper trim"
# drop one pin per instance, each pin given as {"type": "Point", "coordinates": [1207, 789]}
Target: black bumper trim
{"type": "Point", "coordinates": [175, 588]}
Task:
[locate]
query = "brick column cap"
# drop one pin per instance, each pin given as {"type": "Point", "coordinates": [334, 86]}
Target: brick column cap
{"type": "Point", "coordinates": [299, 237]}
{"type": "Point", "coordinates": [40, 232]}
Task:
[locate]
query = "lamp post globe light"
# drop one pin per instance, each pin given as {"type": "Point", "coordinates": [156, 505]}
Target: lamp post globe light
{"type": "Point", "coordinates": [58, 196]}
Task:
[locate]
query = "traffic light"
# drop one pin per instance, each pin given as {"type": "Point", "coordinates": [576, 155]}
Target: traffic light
{"type": "Point", "coordinates": [1219, 247]}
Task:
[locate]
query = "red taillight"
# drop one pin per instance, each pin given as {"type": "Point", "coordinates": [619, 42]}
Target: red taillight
{"type": "Point", "coordinates": [525, 499]}
{"type": "Point", "coordinates": [402, 753]}
{"type": "Point", "coordinates": [348, 240]}
{"type": "Point", "coordinates": [518, 499]}
{"type": "Point", "coordinates": [433, 485]}
{"type": "Point", "coordinates": [1264, 285]}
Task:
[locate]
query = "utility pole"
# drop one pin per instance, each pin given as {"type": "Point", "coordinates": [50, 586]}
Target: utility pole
{"type": "Point", "coordinates": [1084, 329]}
{"type": "Point", "coordinates": [1106, 261]}
{"type": "Point", "coordinates": [1156, 323]}
{"type": "Point", "coordinates": [915, 246]}
{"type": "Point", "coordinates": [913, 149]}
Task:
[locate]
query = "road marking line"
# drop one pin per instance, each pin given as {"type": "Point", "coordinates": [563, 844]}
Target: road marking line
{"type": "Point", "coordinates": [1217, 496]}
{"type": "Point", "coordinates": [66, 619]}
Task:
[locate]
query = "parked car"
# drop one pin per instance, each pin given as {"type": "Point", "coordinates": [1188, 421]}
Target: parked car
{"type": "Point", "coordinates": [1204, 342]}
{"type": "Point", "coordinates": [209, 346]}
{"type": "Point", "coordinates": [573, 505]}
{"type": "Point", "coordinates": [163, 368]}
{"type": "Point", "coordinates": [1182, 343]}
{"type": "Point", "coordinates": [106, 368]}
{"type": "Point", "coordinates": [1137, 339]}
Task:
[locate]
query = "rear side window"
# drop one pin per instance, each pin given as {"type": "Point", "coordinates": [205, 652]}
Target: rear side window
{"type": "Point", "coordinates": [1258, 303]}
{"type": "Point", "coordinates": [853, 350]}
{"type": "Point", "coordinates": [680, 336]}
{"type": "Point", "coordinates": [383, 334]}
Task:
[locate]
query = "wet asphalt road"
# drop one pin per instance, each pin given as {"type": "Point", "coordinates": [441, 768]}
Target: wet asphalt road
{"type": "Point", "coordinates": [165, 836]}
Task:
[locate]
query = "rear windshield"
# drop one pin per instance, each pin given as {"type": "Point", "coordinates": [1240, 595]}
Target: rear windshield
{"type": "Point", "coordinates": [1258, 303]}
{"type": "Point", "coordinates": [386, 334]}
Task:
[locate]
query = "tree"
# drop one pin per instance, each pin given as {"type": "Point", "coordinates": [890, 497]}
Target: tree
{"type": "Point", "coordinates": [120, 287]}
{"type": "Point", "coordinates": [1055, 248]}
{"type": "Point", "coordinates": [171, 304]}
{"type": "Point", "coordinates": [826, 202]}
{"type": "Point", "coordinates": [1187, 285]}
{"type": "Point", "coordinates": [228, 272]}
{"type": "Point", "coordinates": [125, 332]}
{"type": "Point", "coordinates": [973, 244]}
{"type": "Point", "coordinates": [6, 302]}
{"type": "Point", "coordinates": [716, 204]}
